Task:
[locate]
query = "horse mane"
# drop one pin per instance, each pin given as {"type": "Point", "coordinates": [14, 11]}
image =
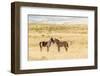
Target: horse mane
{"type": "Point", "coordinates": [57, 39]}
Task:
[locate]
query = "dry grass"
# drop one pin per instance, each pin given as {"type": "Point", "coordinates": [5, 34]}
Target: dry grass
{"type": "Point", "coordinates": [75, 34]}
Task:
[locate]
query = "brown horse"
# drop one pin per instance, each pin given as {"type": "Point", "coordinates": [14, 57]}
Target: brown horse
{"type": "Point", "coordinates": [46, 44]}
{"type": "Point", "coordinates": [61, 44]}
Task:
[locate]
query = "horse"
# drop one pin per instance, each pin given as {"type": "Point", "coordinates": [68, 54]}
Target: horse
{"type": "Point", "coordinates": [61, 44]}
{"type": "Point", "coordinates": [46, 44]}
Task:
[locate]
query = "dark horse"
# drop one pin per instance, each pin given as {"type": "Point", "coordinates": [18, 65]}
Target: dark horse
{"type": "Point", "coordinates": [46, 44]}
{"type": "Point", "coordinates": [61, 44]}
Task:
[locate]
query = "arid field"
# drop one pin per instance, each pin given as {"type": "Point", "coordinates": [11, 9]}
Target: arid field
{"type": "Point", "coordinates": [75, 34]}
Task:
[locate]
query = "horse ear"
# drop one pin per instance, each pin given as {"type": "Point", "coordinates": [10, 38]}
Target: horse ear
{"type": "Point", "coordinates": [51, 38]}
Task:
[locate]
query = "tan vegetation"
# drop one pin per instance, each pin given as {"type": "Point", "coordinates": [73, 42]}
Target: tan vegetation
{"type": "Point", "coordinates": [75, 34]}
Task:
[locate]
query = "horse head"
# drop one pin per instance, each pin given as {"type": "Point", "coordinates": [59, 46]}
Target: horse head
{"type": "Point", "coordinates": [52, 40]}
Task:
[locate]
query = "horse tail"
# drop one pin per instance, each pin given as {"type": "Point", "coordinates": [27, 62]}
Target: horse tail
{"type": "Point", "coordinates": [67, 44]}
{"type": "Point", "coordinates": [40, 44]}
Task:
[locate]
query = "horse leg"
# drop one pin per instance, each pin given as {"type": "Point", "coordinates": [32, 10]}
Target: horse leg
{"type": "Point", "coordinates": [66, 48]}
{"type": "Point", "coordinates": [47, 49]}
{"type": "Point", "coordinates": [58, 49]}
{"type": "Point", "coordinates": [41, 49]}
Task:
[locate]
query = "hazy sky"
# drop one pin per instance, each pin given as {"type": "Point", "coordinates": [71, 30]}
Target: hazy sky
{"type": "Point", "coordinates": [57, 19]}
